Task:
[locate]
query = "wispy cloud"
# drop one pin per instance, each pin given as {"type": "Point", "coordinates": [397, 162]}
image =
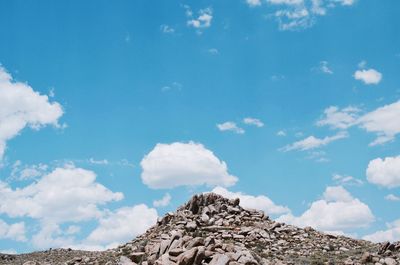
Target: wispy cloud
{"type": "Point", "coordinates": [253, 121]}
{"type": "Point", "coordinates": [382, 121]}
{"type": "Point", "coordinates": [230, 126]}
{"type": "Point", "coordinates": [298, 14]}
{"type": "Point", "coordinates": [173, 86]}
{"type": "Point", "coordinates": [324, 68]}
{"type": "Point", "coordinates": [167, 29]}
{"type": "Point", "coordinates": [313, 142]}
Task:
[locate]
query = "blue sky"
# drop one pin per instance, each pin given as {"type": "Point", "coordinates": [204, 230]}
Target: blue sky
{"type": "Point", "coordinates": [115, 113]}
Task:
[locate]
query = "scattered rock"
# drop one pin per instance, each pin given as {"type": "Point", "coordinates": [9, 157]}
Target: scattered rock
{"type": "Point", "coordinates": [212, 230]}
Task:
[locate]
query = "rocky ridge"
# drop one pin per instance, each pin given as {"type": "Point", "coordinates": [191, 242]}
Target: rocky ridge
{"type": "Point", "coordinates": [210, 229]}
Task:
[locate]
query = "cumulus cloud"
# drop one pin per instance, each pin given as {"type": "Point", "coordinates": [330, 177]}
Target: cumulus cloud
{"type": "Point", "coordinates": [51, 235]}
{"type": "Point", "coordinates": [12, 231]}
{"type": "Point", "coordinates": [337, 193]}
{"type": "Point", "coordinates": [8, 251]}
{"type": "Point", "coordinates": [313, 142]}
{"type": "Point", "coordinates": [392, 233]}
{"type": "Point", "coordinates": [183, 164]}
{"type": "Point", "coordinates": [383, 121]}
{"type": "Point", "coordinates": [230, 126]}
{"type": "Point", "coordinates": [65, 194]}
{"type": "Point", "coordinates": [368, 77]}
{"type": "Point", "coordinates": [164, 201]}
{"type": "Point", "coordinates": [117, 227]}
{"type": "Point", "coordinates": [384, 172]}
{"type": "Point", "coordinates": [203, 19]}
{"type": "Point", "coordinates": [336, 211]}
{"type": "Point", "coordinates": [20, 107]}
{"type": "Point", "coordinates": [114, 228]}
{"type": "Point", "coordinates": [259, 202]}
{"type": "Point", "coordinates": [253, 121]}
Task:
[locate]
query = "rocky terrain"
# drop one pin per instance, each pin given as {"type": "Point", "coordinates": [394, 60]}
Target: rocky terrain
{"type": "Point", "coordinates": [210, 229]}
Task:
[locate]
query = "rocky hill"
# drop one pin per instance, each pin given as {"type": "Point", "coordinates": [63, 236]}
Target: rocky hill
{"type": "Point", "coordinates": [210, 229]}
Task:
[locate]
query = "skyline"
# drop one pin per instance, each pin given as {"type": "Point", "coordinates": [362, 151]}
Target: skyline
{"type": "Point", "coordinates": [115, 114]}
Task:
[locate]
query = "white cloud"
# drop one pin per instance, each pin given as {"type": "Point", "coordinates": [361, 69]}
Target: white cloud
{"type": "Point", "coordinates": [337, 193]}
{"type": "Point", "coordinates": [213, 51]}
{"type": "Point", "coordinates": [164, 201]}
{"type": "Point", "coordinates": [299, 14]}
{"type": "Point", "coordinates": [384, 121]}
{"type": "Point", "coordinates": [318, 156]}
{"type": "Point", "coordinates": [339, 118]}
{"type": "Point", "coordinates": [324, 214]}
{"type": "Point", "coordinates": [369, 77]}
{"type": "Point", "coordinates": [26, 172]}
{"type": "Point", "coordinates": [202, 21]}
{"type": "Point", "coordinates": [259, 202]}
{"type": "Point", "coordinates": [65, 194]}
{"type": "Point", "coordinates": [253, 121]}
{"type": "Point", "coordinates": [98, 162]}
{"type": "Point", "coordinates": [174, 86]}
{"type": "Point", "coordinates": [362, 64]}
{"type": "Point", "coordinates": [312, 142]}
{"type": "Point", "coordinates": [384, 172]}
{"type": "Point", "coordinates": [184, 164]}
{"type": "Point", "coordinates": [51, 235]}
{"type": "Point", "coordinates": [230, 126]}
{"type": "Point", "coordinates": [116, 227]}
{"type": "Point", "coordinates": [392, 233]}
{"type": "Point", "coordinates": [167, 29]}
{"type": "Point", "coordinates": [12, 231]}
{"type": "Point", "coordinates": [345, 2]}
{"type": "Point", "coordinates": [9, 251]}
{"type": "Point", "coordinates": [20, 107]}
{"type": "Point", "coordinates": [392, 197]}
{"type": "Point", "coordinates": [253, 3]}
{"type": "Point", "coordinates": [285, 2]}
{"type": "Point", "coordinates": [281, 133]}
{"type": "Point", "coordinates": [73, 229]}
{"type": "Point", "coordinates": [346, 180]}
{"type": "Point", "coordinates": [324, 68]}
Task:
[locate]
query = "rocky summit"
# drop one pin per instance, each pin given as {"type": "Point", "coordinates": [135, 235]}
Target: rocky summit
{"type": "Point", "coordinates": [210, 229]}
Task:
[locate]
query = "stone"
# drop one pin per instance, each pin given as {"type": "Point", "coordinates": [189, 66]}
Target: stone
{"type": "Point", "coordinates": [191, 226]}
{"type": "Point", "coordinates": [197, 241]}
{"type": "Point", "coordinates": [125, 261]}
{"type": "Point", "coordinates": [220, 259]}
{"type": "Point", "coordinates": [187, 257]}
{"type": "Point", "coordinates": [137, 257]}
{"type": "Point", "coordinates": [366, 258]}
{"type": "Point", "coordinates": [390, 261]}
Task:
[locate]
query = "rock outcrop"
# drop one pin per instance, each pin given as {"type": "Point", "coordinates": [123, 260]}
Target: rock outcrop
{"type": "Point", "coordinates": [210, 229]}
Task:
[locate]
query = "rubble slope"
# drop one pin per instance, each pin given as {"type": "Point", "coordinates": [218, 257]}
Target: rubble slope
{"type": "Point", "coordinates": [210, 229]}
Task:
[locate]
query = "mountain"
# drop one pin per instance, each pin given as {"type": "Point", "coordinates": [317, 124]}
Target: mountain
{"type": "Point", "coordinates": [210, 229]}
